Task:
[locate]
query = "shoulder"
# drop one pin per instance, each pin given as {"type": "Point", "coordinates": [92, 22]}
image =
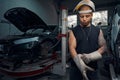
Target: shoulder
{"type": "Point", "coordinates": [95, 28]}
{"type": "Point", "coordinates": [76, 27]}
{"type": "Point", "coordinates": [76, 30]}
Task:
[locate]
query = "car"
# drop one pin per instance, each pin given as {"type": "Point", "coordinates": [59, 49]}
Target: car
{"type": "Point", "coordinates": [32, 52]}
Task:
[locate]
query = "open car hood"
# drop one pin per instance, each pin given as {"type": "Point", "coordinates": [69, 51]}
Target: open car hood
{"type": "Point", "coordinates": [24, 19]}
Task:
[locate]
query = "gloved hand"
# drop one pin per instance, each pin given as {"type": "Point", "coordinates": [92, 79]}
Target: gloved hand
{"type": "Point", "coordinates": [82, 66]}
{"type": "Point", "coordinates": [91, 56]}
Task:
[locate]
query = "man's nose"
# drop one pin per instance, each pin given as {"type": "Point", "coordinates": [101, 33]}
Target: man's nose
{"type": "Point", "coordinates": [84, 18]}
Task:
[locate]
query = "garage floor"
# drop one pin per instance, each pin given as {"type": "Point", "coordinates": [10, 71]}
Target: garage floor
{"type": "Point", "coordinates": [45, 76]}
{"type": "Point", "coordinates": [104, 75]}
{"type": "Point", "coordinates": [103, 72]}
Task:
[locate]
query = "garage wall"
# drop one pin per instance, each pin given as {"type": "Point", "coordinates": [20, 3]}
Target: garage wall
{"type": "Point", "coordinates": [43, 8]}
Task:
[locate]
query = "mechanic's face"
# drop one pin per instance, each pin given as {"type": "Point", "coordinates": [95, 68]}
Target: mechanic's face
{"type": "Point", "coordinates": [85, 18]}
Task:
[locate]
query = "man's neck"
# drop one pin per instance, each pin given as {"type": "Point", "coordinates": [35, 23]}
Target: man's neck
{"type": "Point", "coordinates": [86, 25]}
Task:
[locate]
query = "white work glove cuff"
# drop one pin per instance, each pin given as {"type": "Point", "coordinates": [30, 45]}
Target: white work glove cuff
{"type": "Point", "coordinates": [91, 57]}
{"type": "Point", "coordinates": [95, 55]}
{"type": "Point", "coordinates": [78, 61]}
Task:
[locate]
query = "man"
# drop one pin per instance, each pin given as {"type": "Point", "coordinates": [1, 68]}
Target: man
{"type": "Point", "coordinates": [86, 44]}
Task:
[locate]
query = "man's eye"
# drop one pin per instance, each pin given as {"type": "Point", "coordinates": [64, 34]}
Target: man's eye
{"type": "Point", "coordinates": [82, 16]}
{"type": "Point", "coordinates": [87, 16]}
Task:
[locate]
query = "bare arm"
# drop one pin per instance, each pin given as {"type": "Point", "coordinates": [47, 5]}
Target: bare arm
{"type": "Point", "coordinates": [72, 44]}
{"type": "Point", "coordinates": [102, 43]}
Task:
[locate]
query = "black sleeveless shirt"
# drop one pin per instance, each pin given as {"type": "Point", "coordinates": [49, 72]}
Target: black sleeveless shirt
{"type": "Point", "coordinates": [86, 40]}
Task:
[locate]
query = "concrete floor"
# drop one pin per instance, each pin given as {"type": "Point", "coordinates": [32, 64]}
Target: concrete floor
{"type": "Point", "coordinates": [104, 75]}
{"type": "Point", "coordinates": [45, 76]}
{"type": "Point", "coordinates": [103, 72]}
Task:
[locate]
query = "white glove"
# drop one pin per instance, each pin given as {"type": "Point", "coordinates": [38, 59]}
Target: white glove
{"type": "Point", "coordinates": [82, 66]}
{"type": "Point", "coordinates": [91, 56]}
